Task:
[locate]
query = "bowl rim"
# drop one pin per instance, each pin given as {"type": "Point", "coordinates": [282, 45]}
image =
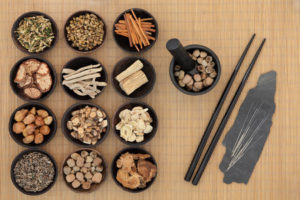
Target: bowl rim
{"type": "Point", "coordinates": [104, 175]}
{"type": "Point", "coordinates": [78, 106]}
{"type": "Point", "coordinates": [218, 66]}
{"type": "Point", "coordinates": [144, 60]}
{"type": "Point", "coordinates": [78, 13]}
{"type": "Point", "coordinates": [152, 133]}
{"type": "Point", "coordinates": [128, 149]}
{"type": "Point", "coordinates": [87, 58]}
{"type": "Point", "coordinates": [32, 104]}
{"type": "Point", "coordinates": [134, 50]}
{"type": "Point", "coordinates": [13, 84]}
{"type": "Point", "coordinates": [17, 43]}
{"type": "Point", "coordinates": [17, 158]}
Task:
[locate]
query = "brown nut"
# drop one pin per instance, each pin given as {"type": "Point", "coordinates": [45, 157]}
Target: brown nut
{"type": "Point", "coordinates": [20, 115]}
{"type": "Point", "coordinates": [70, 162]}
{"type": "Point", "coordinates": [45, 130]}
{"type": "Point", "coordinates": [28, 139]}
{"type": "Point", "coordinates": [76, 184]}
{"type": "Point", "coordinates": [187, 78]}
{"type": "Point", "coordinates": [197, 77]}
{"type": "Point", "coordinates": [30, 128]}
{"type": "Point", "coordinates": [79, 176]}
{"type": "Point", "coordinates": [75, 156]}
{"type": "Point", "coordinates": [42, 113]}
{"type": "Point", "coordinates": [67, 170]}
{"type": "Point", "coordinates": [208, 81]}
{"type": "Point", "coordinates": [80, 161]}
{"type": "Point", "coordinates": [39, 138]}
{"type": "Point", "coordinates": [70, 178]}
{"type": "Point", "coordinates": [18, 127]}
{"type": "Point", "coordinates": [39, 121]}
{"type": "Point", "coordinates": [86, 185]}
{"type": "Point", "coordinates": [48, 120]}
{"type": "Point", "coordinates": [97, 177]}
{"type": "Point", "coordinates": [33, 111]}
{"type": "Point", "coordinates": [97, 161]}
{"type": "Point", "coordinates": [88, 175]}
{"type": "Point", "coordinates": [29, 119]}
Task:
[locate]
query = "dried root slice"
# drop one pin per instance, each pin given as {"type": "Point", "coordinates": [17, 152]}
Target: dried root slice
{"type": "Point", "coordinates": [136, 66]}
{"type": "Point", "coordinates": [44, 83]}
{"type": "Point", "coordinates": [26, 83]}
{"type": "Point", "coordinates": [133, 82]}
{"type": "Point", "coordinates": [43, 69]}
{"type": "Point", "coordinates": [32, 92]}
{"type": "Point", "coordinates": [21, 74]}
{"type": "Point", "coordinates": [32, 65]}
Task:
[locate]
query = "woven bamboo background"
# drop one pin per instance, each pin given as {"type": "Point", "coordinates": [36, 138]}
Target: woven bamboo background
{"type": "Point", "coordinates": [225, 27]}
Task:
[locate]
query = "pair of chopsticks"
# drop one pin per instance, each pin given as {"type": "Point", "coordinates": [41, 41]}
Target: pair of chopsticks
{"type": "Point", "coordinates": [213, 119]}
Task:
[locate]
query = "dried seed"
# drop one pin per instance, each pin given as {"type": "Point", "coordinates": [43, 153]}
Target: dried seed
{"type": "Point", "coordinates": [203, 54]}
{"type": "Point", "coordinates": [177, 68]}
{"type": "Point", "coordinates": [201, 68]}
{"type": "Point", "coordinates": [199, 60]}
{"type": "Point", "coordinates": [197, 77]}
{"type": "Point", "coordinates": [187, 78]}
{"type": "Point", "coordinates": [181, 84]}
{"type": "Point", "coordinates": [196, 53]}
{"type": "Point", "coordinates": [208, 59]}
{"type": "Point", "coordinates": [208, 81]}
{"type": "Point", "coordinates": [213, 74]}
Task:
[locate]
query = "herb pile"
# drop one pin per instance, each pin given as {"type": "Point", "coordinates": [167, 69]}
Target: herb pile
{"type": "Point", "coordinates": [34, 172]}
{"type": "Point", "coordinates": [35, 33]}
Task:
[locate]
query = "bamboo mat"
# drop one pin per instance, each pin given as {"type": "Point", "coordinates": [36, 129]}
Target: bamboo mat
{"type": "Point", "coordinates": [225, 27]}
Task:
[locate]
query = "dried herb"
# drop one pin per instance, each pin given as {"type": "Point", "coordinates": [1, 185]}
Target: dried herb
{"type": "Point", "coordinates": [35, 33]}
{"type": "Point", "coordinates": [34, 172]}
{"type": "Point", "coordinates": [85, 32]}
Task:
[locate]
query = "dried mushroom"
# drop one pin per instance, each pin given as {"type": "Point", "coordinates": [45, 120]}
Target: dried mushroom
{"type": "Point", "coordinates": [134, 171]}
{"type": "Point", "coordinates": [79, 172]}
{"type": "Point", "coordinates": [134, 124]}
{"type": "Point", "coordinates": [33, 124]}
{"type": "Point", "coordinates": [87, 124]}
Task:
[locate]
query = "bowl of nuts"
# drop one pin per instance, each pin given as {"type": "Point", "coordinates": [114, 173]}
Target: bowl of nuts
{"type": "Point", "coordinates": [85, 124]}
{"type": "Point", "coordinates": [84, 170]}
{"type": "Point", "coordinates": [135, 123]}
{"type": "Point", "coordinates": [32, 125]}
{"type": "Point", "coordinates": [134, 169]}
{"type": "Point", "coordinates": [85, 31]}
{"type": "Point", "coordinates": [206, 75]}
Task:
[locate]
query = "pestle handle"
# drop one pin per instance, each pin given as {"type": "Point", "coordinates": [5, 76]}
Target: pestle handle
{"type": "Point", "coordinates": [180, 55]}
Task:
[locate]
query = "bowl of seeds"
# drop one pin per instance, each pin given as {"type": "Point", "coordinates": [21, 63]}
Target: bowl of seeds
{"type": "Point", "coordinates": [134, 169]}
{"type": "Point", "coordinates": [32, 125]}
{"type": "Point", "coordinates": [135, 123]}
{"type": "Point", "coordinates": [85, 31]}
{"type": "Point", "coordinates": [84, 170]}
{"type": "Point", "coordinates": [85, 124]}
{"type": "Point", "coordinates": [33, 172]}
{"type": "Point", "coordinates": [135, 30]}
{"type": "Point", "coordinates": [206, 77]}
{"type": "Point", "coordinates": [34, 32]}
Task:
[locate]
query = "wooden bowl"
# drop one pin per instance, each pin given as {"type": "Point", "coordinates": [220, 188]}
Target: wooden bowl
{"type": "Point", "coordinates": [147, 137]}
{"type": "Point", "coordinates": [18, 157]}
{"type": "Point", "coordinates": [93, 186]}
{"type": "Point", "coordinates": [77, 14]}
{"type": "Point", "coordinates": [18, 138]}
{"type": "Point", "coordinates": [77, 63]}
{"type": "Point", "coordinates": [148, 69]}
{"type": "Point", "coordinates": [114, 168]}
{"type": "Point", "coordinates": [67, 116]}
{"type": "Point", "coordinates": [123, 42]}
{"type": "Point", "coordinates": [19, 91]}
{"type": "Point", "coordinates": [31, 14]}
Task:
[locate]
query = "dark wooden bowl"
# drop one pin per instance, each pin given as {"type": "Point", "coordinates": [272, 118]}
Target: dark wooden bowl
{"type": "Point", "coordinates": [77, 14]}
{"type": "Point", "coordinates": [19, 91]}
{"type": "Point", "coordinates": [67, 116]}
{"type": "Point", "coordinates": [147, 137]}
{"type": "Point", "coordinates": [18, 157]}
{"type": "Point", "coordinates": [77, 63]}
{"type": "Point", "coordinates": [114, 168]}
{"type": "Point", "coordinates": [31, 14]}
{"type": "Point", "coordinates": [190, 49]}
{"type": "Point", "coordinates": [123, 42]}
{"type": "Point", "coordinates": [93, 186]}
{"type": "Point", "coordinates": [18, 138]}
{"type": "Point", "coordinates": [148, 69]}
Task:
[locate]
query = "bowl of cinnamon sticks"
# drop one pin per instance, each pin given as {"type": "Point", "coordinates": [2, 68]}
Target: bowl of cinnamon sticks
{"type": "Point", "coordinates": [135, 30]}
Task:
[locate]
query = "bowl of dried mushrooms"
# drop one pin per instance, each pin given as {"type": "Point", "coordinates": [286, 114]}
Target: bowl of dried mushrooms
{"type": "Point", "coordinates": [134, 169]}
{"type": "Point", "coordinates": [84, 170]}
{"type": "Point", "coordinates": [85, 31]}
{"type": "Point", "coordinates": [135, 30]}
{"type": "Point", "coordinates": [85, 124]}
{"type": "Point", "coordinates": [133, 77]}
{"type": "Point", "coordinates": [206, 75]}
{"type": "Point", "coordinates": [34, 32]}
{"type": "Point", "coordinates": [135, 123]}
{"type": "Point", "coordinates": [28, 171]}
{"type": "Point", "coordinates": [32, 125]}
{"type": "Point", "coordinates": [83, 78]}
{"type": "Point", "coordinates": [33, 78]}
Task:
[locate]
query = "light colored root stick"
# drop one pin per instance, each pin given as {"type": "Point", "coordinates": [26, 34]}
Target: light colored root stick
{"type": "Point", "coordinates": [83, 68]}
{"type": "Point", "coordinates": [91, 76]}
{"type": "Point", "coordinates": [83, 73]}
{"type": "Point", "coordinates": [136, 66]}
{"type": "Point", "coordinates": [67, 71]}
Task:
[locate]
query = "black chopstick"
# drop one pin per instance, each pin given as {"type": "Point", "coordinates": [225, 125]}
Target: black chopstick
{"type": "Point", "coordinates": [226, 117]}
{"type": "Point", "coordinates": [214, 117]}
